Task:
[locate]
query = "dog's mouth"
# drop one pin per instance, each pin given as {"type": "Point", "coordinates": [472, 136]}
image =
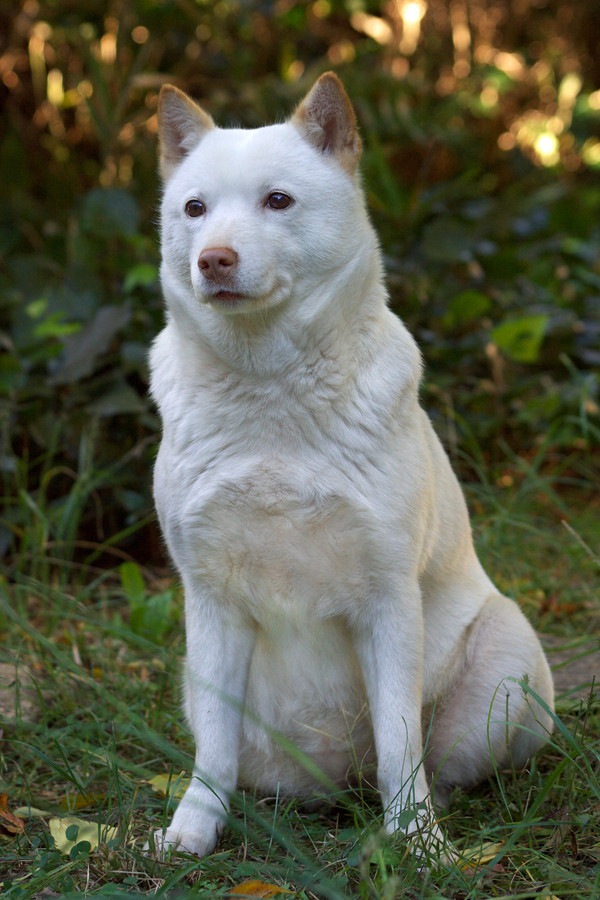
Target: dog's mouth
{"type": "Point", "coordinates": [234, 300]}
{"type": "Point", "coordinates": [228, 298]}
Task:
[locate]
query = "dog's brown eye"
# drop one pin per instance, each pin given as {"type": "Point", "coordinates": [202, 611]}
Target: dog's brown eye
{"type": "Point", "coordinates": [279, 200]}
{"type": "Point", "coordinates": [194, 208]}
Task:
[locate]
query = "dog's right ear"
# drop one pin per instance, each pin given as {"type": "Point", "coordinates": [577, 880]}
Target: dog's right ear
{"type": "Point", "coordinates": [181, 125]}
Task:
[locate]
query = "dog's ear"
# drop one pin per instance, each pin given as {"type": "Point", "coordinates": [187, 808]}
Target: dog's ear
{"type": "Point", "coordinates": [181, 125]}
{"type": "Point", "coordinates": [326, 119]}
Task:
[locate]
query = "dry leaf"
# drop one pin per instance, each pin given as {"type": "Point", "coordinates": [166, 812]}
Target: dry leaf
{"type": "Point", "coordinates": [472, 858]}
{"type": "Point", "coordinates": [258, 889]}
{"type": "Point", "coordinates": [93, 832]}
{"type": "Point", "coordinates": [8, 820]}
{"type": "Point", "coordinates": [173, 785]}
{"type": "Point", "coordinates": [73, 802]}
{"type": "Point", "coordinates": [32, 812]}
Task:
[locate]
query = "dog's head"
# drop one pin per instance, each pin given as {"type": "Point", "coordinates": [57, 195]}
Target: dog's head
{"type": "Point", "coordinates": [252, 219]}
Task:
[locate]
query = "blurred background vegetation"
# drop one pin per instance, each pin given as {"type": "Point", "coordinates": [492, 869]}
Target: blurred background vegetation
{"type": "Point", "coordinates": [481, 124]}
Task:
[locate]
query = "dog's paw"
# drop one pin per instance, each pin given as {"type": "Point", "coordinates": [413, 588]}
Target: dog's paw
{"type": "Point", "coordinates": [164, 842]}
{"type": "Point", "coordinates": [423, 835]}
{"type": "Point", "coordinates": [431, 848]}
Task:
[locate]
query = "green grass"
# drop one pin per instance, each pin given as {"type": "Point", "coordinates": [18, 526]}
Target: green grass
{"type": "Point", "coordinates": [102, 677]}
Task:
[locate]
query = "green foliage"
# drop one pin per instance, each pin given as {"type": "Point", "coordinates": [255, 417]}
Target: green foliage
{"type": "Point", "coordinates": [478, 171]}
{"type": "Point", "coordinates": [521, 339]}
{"type": "Point", "coordinates": [151, 616]}
{"type": "Point", "coordinates": [73, 380]}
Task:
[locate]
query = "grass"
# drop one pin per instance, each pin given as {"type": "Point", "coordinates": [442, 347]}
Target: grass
{"type": "Point", "coordinates": [96, 717]}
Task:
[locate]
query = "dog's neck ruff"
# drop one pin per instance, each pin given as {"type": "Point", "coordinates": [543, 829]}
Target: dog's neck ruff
{"type": "Point", "coordinates": [285, 338]}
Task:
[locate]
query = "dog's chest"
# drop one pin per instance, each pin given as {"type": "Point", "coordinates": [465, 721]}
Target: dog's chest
{"type": "Point", "coordinates": [270, 533]}
{"type": "Point", "coordinates": [273, 496]}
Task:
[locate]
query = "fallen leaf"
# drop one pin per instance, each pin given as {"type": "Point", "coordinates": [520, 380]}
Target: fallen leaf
{"type": "Point", "coordinates": [258, 889]}
{"type": "Point", "coordinates": [472, 858]}
{"type": "Point", "coordinates": [8, 820]}
{"type": "Point", "coordinates": [173, 785]}
{"type": "Point", "coordinates": [73, 802]}
{"type": "Point", "coordinates": [32, 812]}
{"type": "Point", "coordinates": [79, 830]}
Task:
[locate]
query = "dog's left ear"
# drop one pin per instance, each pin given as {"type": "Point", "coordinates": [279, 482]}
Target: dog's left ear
{"type": "Point", "coordinates": [327, 120]}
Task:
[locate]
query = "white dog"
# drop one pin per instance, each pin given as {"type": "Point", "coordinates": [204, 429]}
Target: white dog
{"type": "Point", "coordinates": [334, 602]}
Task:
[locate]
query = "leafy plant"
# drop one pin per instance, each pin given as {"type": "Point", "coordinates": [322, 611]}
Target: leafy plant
{"type": "Point", "coordinates": [150, 616]}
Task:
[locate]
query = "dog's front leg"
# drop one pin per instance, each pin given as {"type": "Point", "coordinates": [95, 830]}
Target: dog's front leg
{"type": "Point", "coordinates": [389, 645]}
{"type": "Point", "coordinates": [219, 648]}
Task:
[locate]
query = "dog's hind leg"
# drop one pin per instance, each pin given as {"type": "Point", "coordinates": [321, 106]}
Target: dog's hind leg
{"type": "Point", "coordinates": [486, 719]}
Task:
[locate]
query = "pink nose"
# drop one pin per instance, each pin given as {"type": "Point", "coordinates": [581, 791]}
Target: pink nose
{"type": "Point", "coordinates": [217, 263]}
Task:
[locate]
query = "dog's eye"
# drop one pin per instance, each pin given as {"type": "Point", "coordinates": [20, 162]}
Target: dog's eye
{"type": "Point", "coordinates": [278, 200]}
{"type": "Point", "coordinates": [194, 208]}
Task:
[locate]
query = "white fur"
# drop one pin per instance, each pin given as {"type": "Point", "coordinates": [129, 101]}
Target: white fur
{"type": "Point", "coordinates": [333, 594]}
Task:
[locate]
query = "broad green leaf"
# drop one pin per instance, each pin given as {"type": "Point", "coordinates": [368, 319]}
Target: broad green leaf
{"type": "Point", "coordinates": [521, 339]}
{"type": "Point", "coordinates": [72, 832]}
{"type": "Point", "coordinates": [142, 275]}
{"type": "Point", "coordinates": [37, 308]}
{"type": "Point", "coordinates": [466, 307]}
{"type": "Point", "coordinates": [152, 617]}
{"type": "Point", "coordinates": [80, 850]}
{"type": "Point", "coordinates": [132, 582]}
{"type": "Point", "coordinates": [54, 326]}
